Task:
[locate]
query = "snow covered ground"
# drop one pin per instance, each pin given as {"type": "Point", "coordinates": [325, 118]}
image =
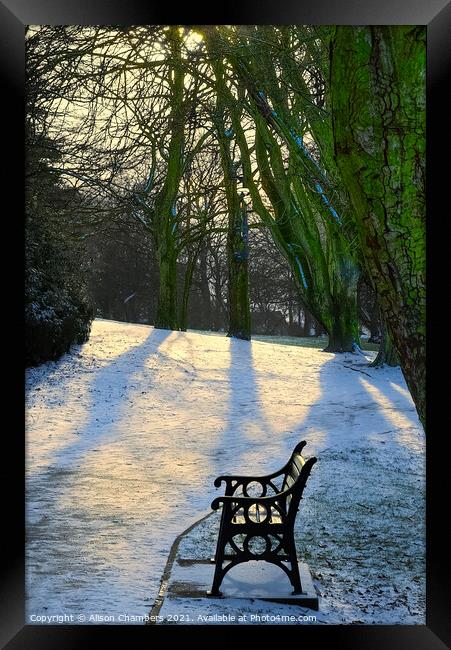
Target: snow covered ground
{"type": "Point", "coordinates": [125, 435]}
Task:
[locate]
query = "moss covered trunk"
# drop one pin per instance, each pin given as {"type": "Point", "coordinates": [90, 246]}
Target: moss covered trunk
{"type": "Point", "coordinates": [378, 108]}
{"type": "Point", "coordinates": [342, 326]}
{"type": "Point", "coordinates": [166, 220]}
{"type": "Point", "coordinates": [316, 249]}
{"type": "Point", "coordinates": [374, 324]}
{"type": "Point", "coordinates": [166, 316]}
{"type": "Point", "coordinates": [238, 287]}
{"type": "Point", "coordinates": [340, 338]}
{"type": "Point", "coordinates": [189, 271]}
{"type": "Point", "coordinates": [239, 325]}
{"type": "Point", "coordinates": [387, 355]}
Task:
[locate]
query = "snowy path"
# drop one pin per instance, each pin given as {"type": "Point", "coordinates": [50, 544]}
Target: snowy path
{"type": "Point", "coordinates": [126, 434]}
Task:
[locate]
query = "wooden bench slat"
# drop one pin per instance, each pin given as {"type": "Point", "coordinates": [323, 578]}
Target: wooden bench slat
{"type": "Point", "coordinates": [294, 471]}
{"type": "Point", "coordinates": [288, 482]}
{"type": "Point", "coordinates": [298, 461]}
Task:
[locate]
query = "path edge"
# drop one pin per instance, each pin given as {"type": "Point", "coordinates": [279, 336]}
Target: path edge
{"type": "Point", "coordinates": [158, 603]}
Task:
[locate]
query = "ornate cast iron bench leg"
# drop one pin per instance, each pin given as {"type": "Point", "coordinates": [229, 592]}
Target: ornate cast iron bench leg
{"type": "Point", "coordinates": [219, 558]}
{"type": "Point", "coordinates": [264, 517]}
{"type": "Point", "coordinates": [295, 578]}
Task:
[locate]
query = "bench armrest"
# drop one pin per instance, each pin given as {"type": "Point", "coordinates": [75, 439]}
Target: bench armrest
{"type": "Point", "coordinates": [233, 483]}
{"type": "Point", "coordinates": [228, 479]}
{"type": "Point", "coordinates": [247, 502]}
{"type": "Point", "coordinates": [264, 480]}
{"type": "Point", "coordinates": [278, 497]}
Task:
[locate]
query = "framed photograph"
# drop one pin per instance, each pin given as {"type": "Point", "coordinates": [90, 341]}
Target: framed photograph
{"type": "Point", "coordinates": [225, 323]}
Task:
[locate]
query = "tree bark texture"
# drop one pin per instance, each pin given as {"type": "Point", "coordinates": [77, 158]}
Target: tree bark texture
{"type": "Point", "coordinates": [165, 204]}
{"type": "Point", "coordinates": [378, 110]}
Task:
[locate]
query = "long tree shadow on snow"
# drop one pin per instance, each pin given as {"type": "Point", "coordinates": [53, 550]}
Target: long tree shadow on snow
{"type": "Point", "coordinates": [245, 418]}
{"type": "Point", "coordinates": [367, 436]}
{"type": "Point", "coordinates": [114, 382]}
{"type": "Point", "coordinates": [354, 399]}
{"type": "Point", "coordinates": [361, 526]}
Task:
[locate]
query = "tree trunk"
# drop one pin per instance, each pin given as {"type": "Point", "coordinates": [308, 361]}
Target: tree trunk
{"type": "Point", "coordinates": [375, 324]}
{"type": "Point", "coordinates": [296, 206]}
{"type": "Point", "coordinates": [218, 309]}
{"type": "Point", "coordinates": [326, 272]}
{"type": "Point", "coordinates": [343, 329]}
{"type": "Point", "coordinates": [308, 323]}
{"type": "Point", "coordinates": [318, 329]}
{"type": "Point", "coordinates": [186, 289]}
{"type": "Point", "coordinates": [237, 232]}
{"type": "Point", "coordinates": [205, 290]}
{"type": "Point", "coordinates": [166, 316]}
{"type": "Point", "coordinates": [165, 227]}
{"type": "Point", "coordinates": [387, 354]}
{"type": "Point", "coordinates": [378, 113]}
{"type": "Point", "coordinates": [238, 294]}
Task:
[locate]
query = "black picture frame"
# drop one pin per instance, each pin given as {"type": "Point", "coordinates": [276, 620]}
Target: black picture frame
{"type": "Point", "coordinates": [436, 14]}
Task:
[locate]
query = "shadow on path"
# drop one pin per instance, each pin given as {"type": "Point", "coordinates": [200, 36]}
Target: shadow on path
{"type": "Point", "coordinates": [109, 391]}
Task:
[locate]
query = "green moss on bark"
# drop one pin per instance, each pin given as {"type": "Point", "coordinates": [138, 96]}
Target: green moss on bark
{"type": "Point", "coordinates": [378, 107]}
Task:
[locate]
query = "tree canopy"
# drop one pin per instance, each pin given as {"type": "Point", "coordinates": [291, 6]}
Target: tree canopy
{"type": "Point", "coordinates": [202, 136]}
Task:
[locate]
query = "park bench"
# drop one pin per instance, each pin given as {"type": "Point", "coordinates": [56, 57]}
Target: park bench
{"type": "Point", "coordinates": [261, 527]}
